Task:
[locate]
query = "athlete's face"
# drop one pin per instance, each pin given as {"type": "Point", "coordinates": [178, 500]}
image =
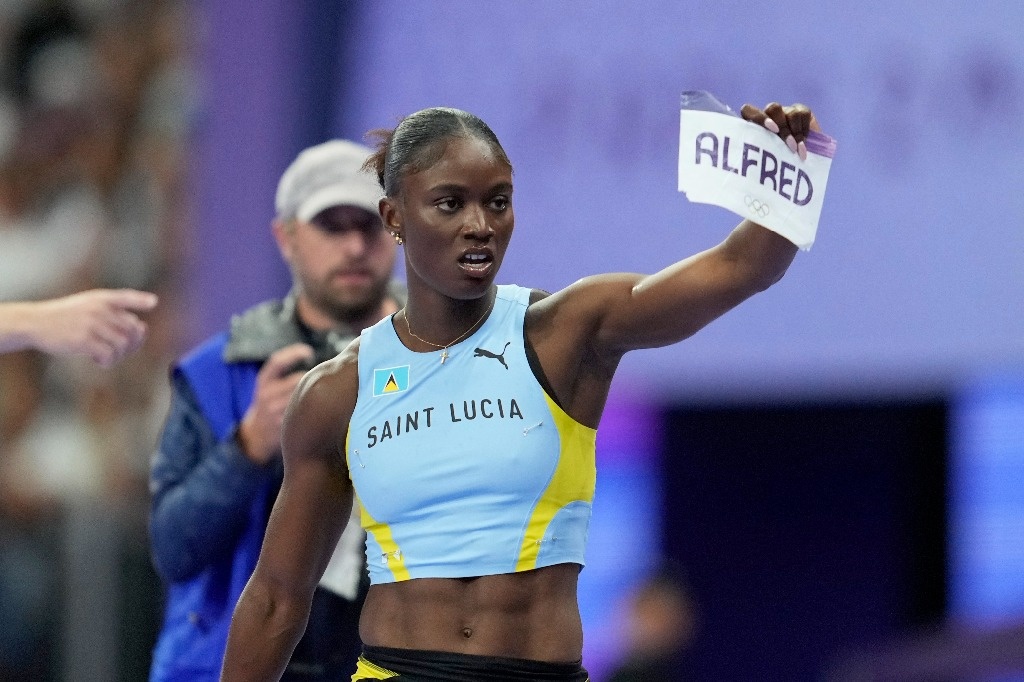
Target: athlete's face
{"type": "Point", "coordinates": [456, 219]}
{"type": "Point", "coordinates": [341, 262]}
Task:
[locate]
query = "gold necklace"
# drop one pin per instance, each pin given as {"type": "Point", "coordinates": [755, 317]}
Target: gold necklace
{"type": "Point", "coordinates": [444, 348]}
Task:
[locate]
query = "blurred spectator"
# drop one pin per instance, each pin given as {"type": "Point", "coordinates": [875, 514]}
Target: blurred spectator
{"type": "Point", "coordinates": [97, 99]}
{"type": "Point", "coordinates": [660, 621]}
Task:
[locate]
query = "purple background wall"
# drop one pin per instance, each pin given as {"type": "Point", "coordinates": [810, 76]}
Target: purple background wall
{"type": "Point", "coordinates": [912, 290]}
{"type": "Point", "coordinates": [270, 82]}
{"type": "Point", "coordinates": [917, 274]}
{"type": "Point", "coordinates": [916, 277]}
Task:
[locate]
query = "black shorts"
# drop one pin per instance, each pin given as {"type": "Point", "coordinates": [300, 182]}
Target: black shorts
{"type": "Point", "coordinates": [409, 665]}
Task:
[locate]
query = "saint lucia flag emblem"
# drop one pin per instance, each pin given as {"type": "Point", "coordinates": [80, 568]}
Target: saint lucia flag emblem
{"type": "Point", "coordinates": [390, 380]}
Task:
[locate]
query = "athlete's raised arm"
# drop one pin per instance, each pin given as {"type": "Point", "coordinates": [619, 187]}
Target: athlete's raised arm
{"type": "Point", "coordinates": [616, 313]}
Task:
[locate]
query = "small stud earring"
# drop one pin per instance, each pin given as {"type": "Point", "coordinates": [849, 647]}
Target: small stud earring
{"type": "Point", "coordinates": [398, 238]}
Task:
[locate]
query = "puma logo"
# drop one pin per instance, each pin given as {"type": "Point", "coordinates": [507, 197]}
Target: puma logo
{"type": "Point", "coordinates": [484, 353]}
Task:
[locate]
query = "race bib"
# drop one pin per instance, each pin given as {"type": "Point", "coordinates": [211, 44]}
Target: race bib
{"type": "Point", "coordinates": [745, 168]}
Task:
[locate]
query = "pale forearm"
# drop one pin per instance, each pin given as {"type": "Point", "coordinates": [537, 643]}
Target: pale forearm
{"type": "Point", "coordinates": [100, 323]}
{"type": "Point", "coordinates": [19, 326]}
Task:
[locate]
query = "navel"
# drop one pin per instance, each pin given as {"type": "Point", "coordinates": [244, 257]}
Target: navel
{"type": "Point", "coordinates": [467, 632]}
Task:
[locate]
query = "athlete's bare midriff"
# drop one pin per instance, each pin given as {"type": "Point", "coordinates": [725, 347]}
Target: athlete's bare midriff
{"type": "Point", "coordinates": [532, 615]}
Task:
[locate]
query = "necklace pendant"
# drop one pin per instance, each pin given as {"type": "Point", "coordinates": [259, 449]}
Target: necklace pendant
{"type": "Point", "coordinates": [444, 355]}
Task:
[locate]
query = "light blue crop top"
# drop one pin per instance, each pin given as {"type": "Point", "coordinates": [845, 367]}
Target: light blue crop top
{"type": "Point", "coordinates": [467, 467]}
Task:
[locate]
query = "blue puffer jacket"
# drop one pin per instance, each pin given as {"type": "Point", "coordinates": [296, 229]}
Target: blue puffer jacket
{"type": "Point", "coordinates": [198, 610]}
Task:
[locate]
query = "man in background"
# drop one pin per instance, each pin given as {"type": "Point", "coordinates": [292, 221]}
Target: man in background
{"type": "Point", "coordinates": [218, 466]}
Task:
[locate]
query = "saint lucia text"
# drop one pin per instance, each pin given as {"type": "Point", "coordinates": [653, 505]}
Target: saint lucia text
{"type": "Point", "coordinates": [485, 408]}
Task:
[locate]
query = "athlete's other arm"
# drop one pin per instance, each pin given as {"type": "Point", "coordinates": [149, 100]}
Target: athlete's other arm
{"type": "Point", "coordinates": [308, 517]}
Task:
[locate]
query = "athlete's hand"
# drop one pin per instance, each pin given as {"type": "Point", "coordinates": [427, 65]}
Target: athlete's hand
{"type": "Point", "coordinates": [259, 434]}
{"type": "Point", "coordinates": [791, 123]}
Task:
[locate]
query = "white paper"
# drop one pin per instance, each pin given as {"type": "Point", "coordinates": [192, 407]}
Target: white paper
{"type": "Point", "coordinates": [729, 162]}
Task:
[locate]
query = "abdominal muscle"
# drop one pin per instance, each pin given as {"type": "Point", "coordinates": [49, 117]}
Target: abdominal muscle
{"type": "Point", "coordinates": [531, 615]}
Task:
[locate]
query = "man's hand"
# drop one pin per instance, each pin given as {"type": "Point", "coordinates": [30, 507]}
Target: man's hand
{"type": "Point", "coordinates": [259, 434]}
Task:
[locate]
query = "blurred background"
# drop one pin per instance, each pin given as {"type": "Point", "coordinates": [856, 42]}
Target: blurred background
{"type": "Point", "coordinates": [825, 484]}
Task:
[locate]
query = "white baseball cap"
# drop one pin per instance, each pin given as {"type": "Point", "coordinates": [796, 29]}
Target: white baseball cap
{"type": "Point", "coordinates": [326, 175]}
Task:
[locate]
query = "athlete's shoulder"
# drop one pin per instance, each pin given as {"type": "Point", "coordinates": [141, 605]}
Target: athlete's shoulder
{"type": "Point", "coordinates": [337, 371]}
{"type": "Point", "coordinates": [537, 295]}
{"type": "Point", "coordinates": [516, 294]}
{"type": "Point", "coordinates": [331, 386]}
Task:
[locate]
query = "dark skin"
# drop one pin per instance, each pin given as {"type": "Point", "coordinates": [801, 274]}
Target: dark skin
{"type": "Point", "coordinates": [448, 215]}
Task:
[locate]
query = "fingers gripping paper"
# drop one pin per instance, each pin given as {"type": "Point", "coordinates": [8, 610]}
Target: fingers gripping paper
{"type": "Point", "coordinates": [727, 161]}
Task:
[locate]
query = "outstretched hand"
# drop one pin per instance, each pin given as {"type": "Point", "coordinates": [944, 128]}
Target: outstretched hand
{"type": "Point", "coordinates": [102, 324]}
{"type": "Point", "coordinates": [791, 123]}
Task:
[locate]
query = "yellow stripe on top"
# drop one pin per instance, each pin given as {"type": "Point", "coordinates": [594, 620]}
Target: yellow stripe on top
{"type": "Point", "coordinates": [381, 531]}
{"type": "Point", "coordinates": [573, 481]}
{"type": "Point", "coordinates": [382, 534]}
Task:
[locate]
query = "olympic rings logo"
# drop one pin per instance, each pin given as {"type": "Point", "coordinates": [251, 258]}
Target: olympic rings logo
{"type": "Point", "coordinates": [759, 207]}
